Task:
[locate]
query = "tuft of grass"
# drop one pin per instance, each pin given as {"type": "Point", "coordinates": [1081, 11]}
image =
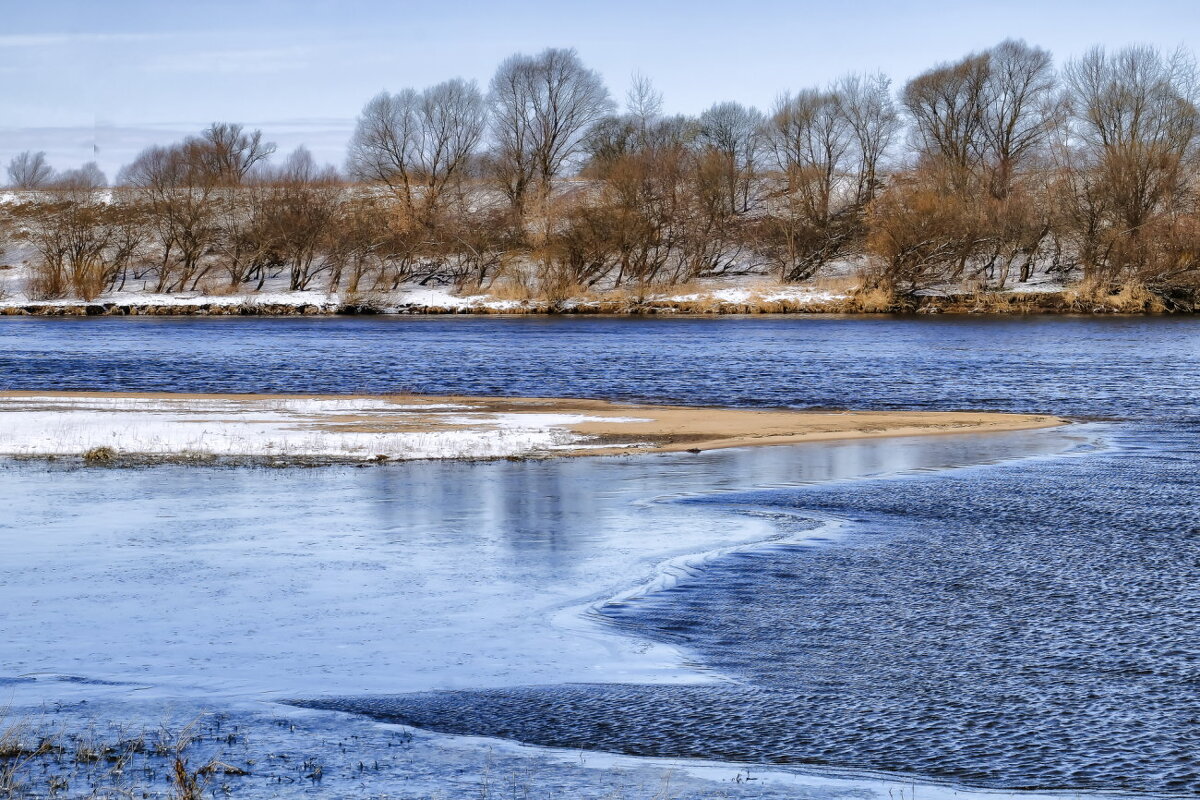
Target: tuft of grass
{"type": "Point", "coordinates": [510, 289]}
{"type": "Point", "coordinates": [99, 456]}
{"type": "Point", "coordinates": [1099, 297]}
{"type": "Point", "coordinates": [872, 301]}
{"type": "Point", "coordinates": [19, 750]}
{"type": "Point", "coordinates": [1133, 298]}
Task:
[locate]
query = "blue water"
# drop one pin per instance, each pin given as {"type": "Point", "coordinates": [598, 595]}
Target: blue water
{"type": "Point", "coordinates": [1034, 623]}
{"type": "Point", "coordinates": [1100, 366]}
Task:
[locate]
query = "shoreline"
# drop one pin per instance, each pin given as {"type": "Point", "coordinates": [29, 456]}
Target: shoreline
{"type": "Point", "coordinates": [1009, 304]}
{"type": "Point", "coordinates": [283, 429]}
{"type": "Point", "coordinates": [748, 297]}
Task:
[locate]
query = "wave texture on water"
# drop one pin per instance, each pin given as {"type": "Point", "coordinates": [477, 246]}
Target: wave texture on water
{"type": "Point", "coordinates": [1025, 625]}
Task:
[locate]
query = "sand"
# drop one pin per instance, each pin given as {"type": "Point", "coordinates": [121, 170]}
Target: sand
{"type": "Point", "coordinates": [402, 427]}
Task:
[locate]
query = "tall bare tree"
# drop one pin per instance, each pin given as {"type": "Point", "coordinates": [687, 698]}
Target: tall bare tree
{"type": "Point", "coordinates": [1020, 110]}
{"type": "Point", "coordinates": [982, 117]}
{"type": "Point", "coordinates": [732, 133]}
{"type": "Point", "coordinates": [542, 108]}
{"type": "Point", "coordinates": [1135, 144]}
{"type": "Point", "coordinates": [643, 104]}
{"type": "Point", "coordinates": [419, 143]}
{"type": "Point", "coordinates": [808, 139]}
{"type": "Point", "coordinates": [865, 102]}
{"type": "Point", "coordinates": [946, 107]}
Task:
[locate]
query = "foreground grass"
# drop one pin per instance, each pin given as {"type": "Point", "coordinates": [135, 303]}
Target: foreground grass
{"type": "Point", "coordinates": [37, 762]}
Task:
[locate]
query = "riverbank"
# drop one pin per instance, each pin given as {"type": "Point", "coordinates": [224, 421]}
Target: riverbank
{"type": "Point", "coordinates": [111, 427]}
{"type": "Point", "coordinates": [766, 300]}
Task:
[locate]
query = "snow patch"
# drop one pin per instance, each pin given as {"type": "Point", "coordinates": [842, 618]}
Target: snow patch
{"type": "Point", "coordinates": [794, 295]}
{"type": "Point", "coordinates": [351, 428]}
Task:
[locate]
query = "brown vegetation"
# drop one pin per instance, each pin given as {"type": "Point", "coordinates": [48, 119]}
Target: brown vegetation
{"type": "Point", "coordinates": [989, 171]}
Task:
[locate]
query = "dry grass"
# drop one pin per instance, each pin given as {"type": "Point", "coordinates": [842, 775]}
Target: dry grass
{"type": "Point", "coordinates": [1133, 298]}
{"type": "Point", "coordinates": [20, 749]}
{"type": "Point", "coordinates": [837, 284]}
{"type": "Point", "coordinates": [99, 456]}
{"type": "Point", "coordinates": [871, 301]}
{"type": "Point", "coordinates": [1099, 297]}
{"type": "Point", "coordinates": [30, 760]}
{"type": "Point", "coordinates": [217, 287]}
{"type": "Point", "coordinates": [515, 289]}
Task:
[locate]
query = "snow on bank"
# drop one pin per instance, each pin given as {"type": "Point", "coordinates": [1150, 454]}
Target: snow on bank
{"type": "Point", "coordinates": [440, 298]}
{"type": "Point", "coordinates": [792, 295]}
{"type": "Point", "coordinates": [282, 428]}
{"type": "Point", "coordinates": [276, 298]}
{"type": "Point", "coordinates": [191, 300]}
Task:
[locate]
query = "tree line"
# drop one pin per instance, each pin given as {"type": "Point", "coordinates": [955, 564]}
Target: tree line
{"type": "Point", "coordinates": [978, 173]}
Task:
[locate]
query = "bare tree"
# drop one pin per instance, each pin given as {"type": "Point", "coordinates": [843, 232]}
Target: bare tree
{"type": "Point", "coordinates": [983, 117]}
{"type": "Point", "coordinates": [88, 177]}
{"type": "Point", "coordinates": [946, 106]}
{"type": "Point", "coordinates": [29, 170]}
{"type": "Point", "coordinates": [865, 102]}
{"type": "Point", "coordinates": [1136, 116]}
{"type": "Point", "coordinates": [643, 103]}
{"type": "Point", "coordinates": [1135, 145]}
{"type": "Point", "coordinates": [177, 193]}
{"type": "Point", "coordinates": [542, 108]}
{"type": "Point", "coordinates": [1019, 109]}
{"type": "Point", "coordinates": [808, 139]}
{"type": "Point", "coordinates": [302, 206]}
{"type": "Point", "coordinates": [733, 133]}
{"type": "Point", "coordinates": [228, 152]}
{"type": "Point", "coordinates": [419, 143]}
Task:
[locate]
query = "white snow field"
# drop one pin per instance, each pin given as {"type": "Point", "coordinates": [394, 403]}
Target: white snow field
{"type": "Point", "coordinates": [283, 428]}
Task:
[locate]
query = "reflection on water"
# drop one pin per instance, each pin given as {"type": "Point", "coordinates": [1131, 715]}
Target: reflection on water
{"type": "Point", "coordinates": [1031, 624]}
{"type": "Point", "coordinates": [404, 576]}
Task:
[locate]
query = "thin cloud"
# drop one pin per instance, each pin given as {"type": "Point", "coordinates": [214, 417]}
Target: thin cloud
{"type": "Point", "coordinates": [236, 60]}
{"type": "Point", "coordinates": [61, 39]}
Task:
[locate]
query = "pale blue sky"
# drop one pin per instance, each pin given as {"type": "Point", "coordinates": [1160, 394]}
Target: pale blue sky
{"type": "Point", "coordinates": [118, 74]}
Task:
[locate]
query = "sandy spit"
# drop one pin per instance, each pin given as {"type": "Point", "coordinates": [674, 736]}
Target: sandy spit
{"type": "Point", "coordinates": [385, 427]}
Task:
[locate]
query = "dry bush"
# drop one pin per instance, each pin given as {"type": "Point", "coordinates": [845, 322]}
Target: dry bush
{"type": "Point", "coordinates": [84, 246]}
{"type": "Point", "coordinates": [920, 235]}
{"type": "Point", "coordinates": [468, 247]}
{"type": "Point", "coordinates": [586, 251]}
